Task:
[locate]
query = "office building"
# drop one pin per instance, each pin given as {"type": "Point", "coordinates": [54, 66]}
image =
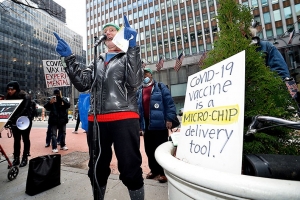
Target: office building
{"type": "Point", "coordinates": [170, 27]}
{"type": "Point", "coordinates": [26, 39]}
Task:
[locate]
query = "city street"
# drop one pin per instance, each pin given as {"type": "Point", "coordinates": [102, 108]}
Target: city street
{"type": "Point", "coordinates": [76, 156]}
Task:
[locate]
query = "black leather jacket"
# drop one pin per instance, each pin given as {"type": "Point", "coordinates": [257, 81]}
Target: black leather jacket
{"type": "Point", "coordinates": [116, 84]}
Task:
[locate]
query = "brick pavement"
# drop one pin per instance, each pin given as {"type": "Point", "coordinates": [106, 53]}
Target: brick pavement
{"type": "Point", "coordinates": [75, 142]}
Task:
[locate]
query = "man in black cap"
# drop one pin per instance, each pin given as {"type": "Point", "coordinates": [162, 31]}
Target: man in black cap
{"type": "Point", "coordinates": [58, 118]}
{"type": "Point", "coordinates": [13, 93]}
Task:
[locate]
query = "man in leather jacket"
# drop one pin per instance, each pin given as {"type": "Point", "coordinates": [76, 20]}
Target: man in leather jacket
{"type": "Point", "coordinates": [113, 115]}
{"type": "Point", "coordinates": [14, 93]}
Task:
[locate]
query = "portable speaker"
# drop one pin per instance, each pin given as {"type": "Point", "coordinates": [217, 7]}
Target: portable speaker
{"type": "Point", "coordinates": [285, 167]}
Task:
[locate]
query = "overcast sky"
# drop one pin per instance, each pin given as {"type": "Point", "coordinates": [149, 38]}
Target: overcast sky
{"type": "Point", "coordinates": [75, 16]}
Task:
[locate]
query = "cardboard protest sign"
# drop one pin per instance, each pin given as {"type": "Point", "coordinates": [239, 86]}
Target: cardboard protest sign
{"type": "Point", "coordinates": [211, 133]}
{"type": "Point", "coordinates": [7, 108]}
{"type": "Point", "coordinates": [55, 74]}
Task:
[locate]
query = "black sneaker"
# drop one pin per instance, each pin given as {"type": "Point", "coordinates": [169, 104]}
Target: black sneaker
{"type": "Point", "coordinates": [16, 161]}
{"type": "Point", "coordinates": [47, 145]}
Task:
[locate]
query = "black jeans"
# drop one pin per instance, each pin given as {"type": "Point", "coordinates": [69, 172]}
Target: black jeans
{"type": "Point", "coordinates": [152, 139]}
{"type": "Point", "coordinates": [124, 136]}
{"type": "Point", "coordinates": [77, 122]}
{"type": "Point", "coordinates": [61, 137]}
{"type": "Point", "coordinates": [49, 135]}
{"type": "Point", "coordinates": [17, 133]}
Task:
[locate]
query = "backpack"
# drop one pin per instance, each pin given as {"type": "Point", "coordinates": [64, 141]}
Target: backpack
{"type": "Point", "coordinates": [33, 110]}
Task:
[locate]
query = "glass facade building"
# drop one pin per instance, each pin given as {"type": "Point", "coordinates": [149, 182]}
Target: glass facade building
{"type": "Point", "coordinates": [168, 27]}
{"type": "Point", "coordinates": [26, 38]}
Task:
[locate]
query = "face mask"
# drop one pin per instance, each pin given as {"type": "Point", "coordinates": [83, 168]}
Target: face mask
{"type": "Point", "coordinates": [146, 80]}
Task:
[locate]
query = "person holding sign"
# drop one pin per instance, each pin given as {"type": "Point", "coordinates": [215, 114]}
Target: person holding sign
{"type": "Point", "coordinates": [58, 118]}
{"type": "Point", "coordinates": [157, 109]}
{"type": "Point", "coordinates": [13, 93]}
{"type": "Point", "coordinates": [113, 116]}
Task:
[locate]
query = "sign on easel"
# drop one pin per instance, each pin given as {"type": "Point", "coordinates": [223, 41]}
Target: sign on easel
{"type": "Point", "coordinates": [211, 133]}
{"type": "Point", "coordinates": [55, 75]}
{"type": "Point", "coordinates": [7, 108]}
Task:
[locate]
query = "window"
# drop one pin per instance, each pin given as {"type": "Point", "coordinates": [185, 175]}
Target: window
{"type": "Point", "coordinates": [147, 34]}
{"type": "Point", "coordinates": [168, 3]}
{"type": "Point", "coordinates": [196, 6]}
{"type": "Point", "coordinates": [151, 10]}
{"type": "Point", "coordinates": [183, 24]}
{"type": "Point", "coordinates": [277, 16]}
{"type": "Point", "coordinates": [267, 18]}
{"type": "Point", "coordinates": [269, 33]}
{"type": "Point", "coordinates": [171, 27]}
{"type": "Point", "coordinates": [142, 48]}
{"type": "Point", "coordinates": [279, 31]}
{"type": "Point", "coordinates": [165, 29]}
{"type": "Point", "coordinates": [204, 17]}
{"type": "Point", "coordinates": [287, 12]}
{"type": "Point", "coordinates": [176, 13]}
{"type": "Point", "coordinates": [297, 9]}
{"type": "Point", "coordinates": [191, 22]}
{"type": "Point", "coordinates": [146, 22]}
{"type": "Point", "coordinates": [203, 4]}
{"type": "Point", "coordinates": [264, 3]}
{"type": "Point", "coordinates": [182, 11]}
{"type": "Point", "coordinates": [198, 20]}
{"type": "Point", "coordinates": [154, 46]}
{"type": "Point", "coordinates": [158, 30]}
{"type": "Point", "coordinates": [254, 4]}
{"type": "Point", "coordinates": [152, 20]}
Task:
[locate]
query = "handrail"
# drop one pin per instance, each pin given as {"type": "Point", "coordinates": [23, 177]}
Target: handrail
{"type": "Point", "coordinates": [257, 120]}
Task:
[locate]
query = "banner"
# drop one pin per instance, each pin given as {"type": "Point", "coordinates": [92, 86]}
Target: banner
{"type": "Point", "coordinates": [55, 75]}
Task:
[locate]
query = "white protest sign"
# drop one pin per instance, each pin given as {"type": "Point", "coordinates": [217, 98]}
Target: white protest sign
{"type": "Point", "coordinates": [7, 108]}
{"type": "Point", "coordinates": [55, 74]}
{"type": "Point", "coordinates": [211, 133]}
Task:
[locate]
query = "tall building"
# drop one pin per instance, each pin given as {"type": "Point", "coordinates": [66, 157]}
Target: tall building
{"type": "Point", "coordinates": [26, 38]}
{"type": "Point", "coordinates": [169, 27]}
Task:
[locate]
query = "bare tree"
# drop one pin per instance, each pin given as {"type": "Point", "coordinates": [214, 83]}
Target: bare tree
{"type": "Point", "coordinates": [33, 4]}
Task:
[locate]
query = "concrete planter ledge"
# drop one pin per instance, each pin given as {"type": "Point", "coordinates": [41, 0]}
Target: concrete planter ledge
{"type": "Point", "coordinates": [186, 181]}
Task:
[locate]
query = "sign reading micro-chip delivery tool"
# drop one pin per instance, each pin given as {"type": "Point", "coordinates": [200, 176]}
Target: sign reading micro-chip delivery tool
{"type": "Point", "coordinates": [211, 134]}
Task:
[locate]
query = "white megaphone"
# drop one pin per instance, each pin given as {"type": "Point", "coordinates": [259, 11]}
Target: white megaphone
{"type": "Point", "coordinates": [23, 122]}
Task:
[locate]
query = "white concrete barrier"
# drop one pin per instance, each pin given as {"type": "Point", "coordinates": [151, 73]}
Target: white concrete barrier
{"type": "Point", "coordinates": [186, 181]}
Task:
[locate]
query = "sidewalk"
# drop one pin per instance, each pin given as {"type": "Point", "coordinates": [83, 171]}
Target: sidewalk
{"type": "Point", "coordinates": [75, 183]}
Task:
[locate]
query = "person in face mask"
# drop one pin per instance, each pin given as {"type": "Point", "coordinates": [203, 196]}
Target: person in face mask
{"type": "Point", "coordinates": [156, 109]}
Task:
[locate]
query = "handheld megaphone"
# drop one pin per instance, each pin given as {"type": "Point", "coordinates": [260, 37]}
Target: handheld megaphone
{"type": "Point", "coordinates": [23, 122]}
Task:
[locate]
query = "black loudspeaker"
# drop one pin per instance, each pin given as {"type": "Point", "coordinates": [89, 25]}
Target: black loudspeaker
{"type": "Point", "coordinates": [285, 167]}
